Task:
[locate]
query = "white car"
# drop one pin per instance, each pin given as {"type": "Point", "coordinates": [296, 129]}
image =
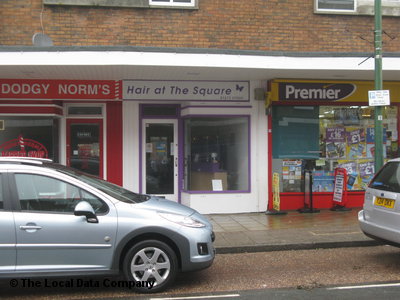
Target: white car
{"type": "Point", "coordinates": [380, 217]}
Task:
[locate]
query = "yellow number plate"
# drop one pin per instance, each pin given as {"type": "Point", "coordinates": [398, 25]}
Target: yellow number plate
{"type": "Point", "coordinates": [388, 203]}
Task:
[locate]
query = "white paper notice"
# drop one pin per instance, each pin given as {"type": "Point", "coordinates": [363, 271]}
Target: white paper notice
{"type": "Point", "coordinates": [217, 185]}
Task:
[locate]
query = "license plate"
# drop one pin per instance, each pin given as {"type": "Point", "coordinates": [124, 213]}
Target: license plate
{"type": "Point", "coordinates": [388, 203]}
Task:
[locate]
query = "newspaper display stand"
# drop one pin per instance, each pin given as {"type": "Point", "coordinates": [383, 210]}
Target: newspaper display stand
{"type": "Point", "coordinates": [340, 190]}
{"type": "Point", "coordinates": [308, 196]}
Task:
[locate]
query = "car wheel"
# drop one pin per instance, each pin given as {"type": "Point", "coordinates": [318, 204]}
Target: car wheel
{"type": "Point", "coordinates": [151, 265]}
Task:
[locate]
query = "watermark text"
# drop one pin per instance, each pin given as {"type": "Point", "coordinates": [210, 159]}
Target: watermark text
{"type": "Point", "coordinates": [78, 283]}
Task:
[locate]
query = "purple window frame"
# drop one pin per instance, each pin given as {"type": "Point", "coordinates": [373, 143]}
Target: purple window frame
{"type": "Point", "coordinates": [181, 148]}
{"type": "Point", "coordinates": [181, 140]}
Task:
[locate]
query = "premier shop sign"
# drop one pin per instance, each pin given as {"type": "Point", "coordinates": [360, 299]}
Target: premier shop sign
{"type": "Point", "coordinates": [315, 91]}
{"type": "Point", "coordinates": [186, 90]}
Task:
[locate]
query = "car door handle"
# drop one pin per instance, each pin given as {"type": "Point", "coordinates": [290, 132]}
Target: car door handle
{"type": "Point", "coordinates": [30, 227]}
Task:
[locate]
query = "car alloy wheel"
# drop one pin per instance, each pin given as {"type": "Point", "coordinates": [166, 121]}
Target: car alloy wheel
{"type": "Point", "coordinates": [152, 265]}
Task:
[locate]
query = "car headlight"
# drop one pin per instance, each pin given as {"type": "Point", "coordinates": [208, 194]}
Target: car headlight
{"type": "Point", "coordinates": [182, 220]}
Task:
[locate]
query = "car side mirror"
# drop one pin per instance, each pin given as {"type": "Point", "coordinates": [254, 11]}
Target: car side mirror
{"type": "Point", "coordinates": [83, 208]}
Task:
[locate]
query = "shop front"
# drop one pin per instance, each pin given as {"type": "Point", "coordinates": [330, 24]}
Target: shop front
{"type": "Point", "coordinates": [194, 142]}
{"type": "Point", "coordinates": [319, 126]}
{"type": "Point", "coordinates": [188, 141]}
{"type": "Point", "coordinates": [66, 121]}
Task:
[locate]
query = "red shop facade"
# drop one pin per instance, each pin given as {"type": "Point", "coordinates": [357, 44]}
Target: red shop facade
{"type": "Point", "coordinates": [73, 122]}
{"type": "Point", "coordinates": [319, 126]}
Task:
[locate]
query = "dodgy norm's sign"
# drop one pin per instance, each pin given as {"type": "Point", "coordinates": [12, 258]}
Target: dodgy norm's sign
{"type": "Point", "coordinates": [58, 89]}
{"type": "Point", "coordinates": [186, 90]}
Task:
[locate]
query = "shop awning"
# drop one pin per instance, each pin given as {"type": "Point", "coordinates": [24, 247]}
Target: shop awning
{"type": "Point", "coordinates": [117, 63]}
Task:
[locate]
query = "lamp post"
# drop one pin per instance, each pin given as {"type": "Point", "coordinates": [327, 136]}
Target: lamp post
{"type": "Point", "coordinates": [378, 117]}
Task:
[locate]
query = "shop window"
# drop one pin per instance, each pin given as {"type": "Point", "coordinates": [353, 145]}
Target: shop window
{"type": "Point", "coordinates": [30, 137]}
{"type": "Point", "coordinates": [217, 154]}
{"type": "Point", "coordinates": [345, 137]}
{"type": "Point", "coordinates": [297, 132]}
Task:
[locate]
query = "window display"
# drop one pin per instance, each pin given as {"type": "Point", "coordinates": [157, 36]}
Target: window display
{"type": "Point", "coordinates": [217, 154]}
{"type": "Point", "coordinates": [346, 140]}
{"type": "Point", "coordinates": [29, 137]}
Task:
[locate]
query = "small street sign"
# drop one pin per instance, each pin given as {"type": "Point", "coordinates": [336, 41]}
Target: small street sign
{"type": "Point", "coordinates": [379, 98]}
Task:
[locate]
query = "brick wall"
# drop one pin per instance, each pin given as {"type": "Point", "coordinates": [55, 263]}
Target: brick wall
{"type": "Point", "coordinates": [268, 25]}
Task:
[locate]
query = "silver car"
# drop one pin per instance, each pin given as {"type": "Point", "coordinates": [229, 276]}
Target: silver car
{"type": "Point", "coordinates": [57, 221]}
{"type": "Point", "coordinates": [380, 216]}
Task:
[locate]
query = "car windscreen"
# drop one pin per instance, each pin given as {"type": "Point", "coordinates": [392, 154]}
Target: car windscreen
{"type": "Point", "coordinates": [388, 178]}
{"type": "Point", "coordinates": [109, 188]}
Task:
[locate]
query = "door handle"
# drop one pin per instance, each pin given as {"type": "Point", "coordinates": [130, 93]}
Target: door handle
{"type": "Point", "coordinates": [30, 227]}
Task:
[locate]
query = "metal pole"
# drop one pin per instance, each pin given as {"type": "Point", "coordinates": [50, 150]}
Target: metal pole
{"type": "Point", "coordinates": [378, 132]}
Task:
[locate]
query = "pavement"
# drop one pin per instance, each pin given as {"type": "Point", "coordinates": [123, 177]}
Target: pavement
{"type": "Point", "coordinates": [256, 232]}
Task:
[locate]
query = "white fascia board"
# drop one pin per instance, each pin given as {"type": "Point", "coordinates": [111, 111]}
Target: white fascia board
{"type": "Point", "coordinates": [122, 58]}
